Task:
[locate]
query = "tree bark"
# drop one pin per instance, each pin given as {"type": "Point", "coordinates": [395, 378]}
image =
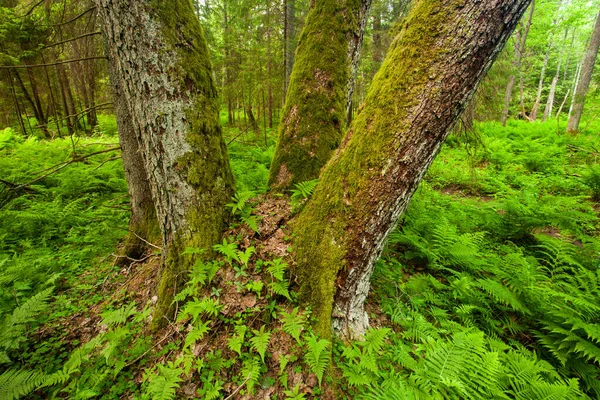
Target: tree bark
{"type": "Point", "coordinates": [289, 34]}
{"type": "Point", "coordinates": [161, 62]}
{"type": "Point", "coordinates": [520, 41]}
{"type": "Point", "coordinates": [585, 79]}
{"type": "Point", "coordinates": [143, 225]}
{"type": "Point", "coordinates": [314, 116]}
{"type": "Point", "coordinates": [430, 73]}
{"type": "Point", "coordinates": [552, 93]}
{"type": "Point", "coordinates": [538, 97]}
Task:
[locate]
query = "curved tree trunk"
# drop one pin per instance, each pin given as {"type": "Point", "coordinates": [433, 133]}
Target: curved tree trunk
{"type": "Point", "coordinates": [313, 120]}
{"type": "Point", "coordinates": [162, 64]}
{"type": "Point", "coordinates": [585, 79]}
{"type": "Point", "coordinates": [431, 71]}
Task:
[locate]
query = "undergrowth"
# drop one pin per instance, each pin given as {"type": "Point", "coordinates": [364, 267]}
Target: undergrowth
{"type": "Point", "coordinates": [488, 288]}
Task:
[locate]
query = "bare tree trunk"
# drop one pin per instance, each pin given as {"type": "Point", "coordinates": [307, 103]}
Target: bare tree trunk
{"type": "Point", "coordinates": [314, 116]}
{"type": "Point", "coordinates": [585, 79]}
{"type": "Point", "coordinates": [520, 41]}
{"type": "Point", "coordinates": [538, 97]}
{"type": "Point", "coordinates": [356, 39]}
{"type": "Point", "coordinates": [162, 65]}
{"type": "Point", "coordinates": [289, 33]}
{"type": "Point", "coordinates": [552, 93]}
{"type": "Point", "coordinates": [366, 186]}
{"type": "Point", "coordinates": [575, 85]}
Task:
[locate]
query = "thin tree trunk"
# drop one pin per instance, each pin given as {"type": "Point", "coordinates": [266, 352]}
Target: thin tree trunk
{"type": "Point", "coordinates": [520, 41]}
{"type": "Point", "coordinates": [552, 93]}
{"type": "Point", "coordinates": [366, 186]}
{"type": "Point", "coordinates": [356, 40]}
{"type": "Point", "coordinates": [575, 84]}
{"type": "Point", "coordinates": [313, 121]}
{"type": "Point", "coordinates": [16, 102]}
{"type": "Point", "coordinates": [538, 97]}
{"type": "Point", "coordinates": [63, 95]}
{"type": "Point", "coordinates": [585, 79]}
{"type": "Point", "coordinates": [33, 104]}
{"type": "Point", "coordinates": [166, 78]}
{"type": "Point", "coordinates": [289, 34]}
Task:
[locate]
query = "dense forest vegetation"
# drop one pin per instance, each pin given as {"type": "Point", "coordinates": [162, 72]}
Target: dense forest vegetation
{"type": "Point", "coordinates": [333, 199]}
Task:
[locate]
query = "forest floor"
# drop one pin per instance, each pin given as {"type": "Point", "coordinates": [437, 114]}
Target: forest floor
{"type": "Point", "coordinates": [487, 289]}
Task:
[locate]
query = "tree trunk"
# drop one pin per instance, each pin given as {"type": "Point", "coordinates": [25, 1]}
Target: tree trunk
{"type": "Point", "coordinates": [143, 225]}
{"type": "Point", "coordinates": [520, 41]}
{"type": "Point", "coordinates": [313, 120]}
{"type": "Point", "coordinates": [289, 33]}
{"type": "Point", "coordinates": [538, 97]}
{"type": "Point", "coordinates": [431, 71]}
{"type": "Point", "coordinates": [552, 93]}
{"type": "Point", "coordinates": [574, 87]}
{"type": "Point", "coordinates": [161, 62]}
{"type": "Point", "coordinates": [585, 78]}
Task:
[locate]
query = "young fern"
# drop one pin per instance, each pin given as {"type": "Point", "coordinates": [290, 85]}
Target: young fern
{"type": "Point", "coordinates": [260, 341]}
{"type": "Point", "coordinates": [317, 356]}
{"type": "Point", "coordinates": [163, 386]}
{"type": "Point", "coordinates": [293, 323]}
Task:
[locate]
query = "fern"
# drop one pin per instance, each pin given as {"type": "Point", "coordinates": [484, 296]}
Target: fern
{"type": "Point", "coordinates": [260, 341]}
{"type": "Point", "coordinates": [235, 342]}
{"type": "Point", "coordinates": [276, 268]}
{"type": "Point", "coordinates": [251, 373]}
{"type": "Point", "coordinates": [293, 323]}
{"type": "Point", "coordinates": [197, 333]}
{"type": "Point", "coordinates": [301, 192]}
{"type": "Point", "coordinates": [281, 288]}
{"type": "Point", "coordinates": [16, 383]}
{"type": "Point", "coordinates": [244, 257]}
{"type": "Point", "coordinates": [194, 309]}
{"type": "Point", "coordinates": [14, 326]}
{"type": "Point", "coordinates": [163, 386]}
{"type": "Point", "coordinates": [229, 250]}
{"type": "Point", "coordinates": [119, 316]}
{"type": "Point", "coordinates": [240, 200]}
{"type": "Point", "coordinates": [317, 356]}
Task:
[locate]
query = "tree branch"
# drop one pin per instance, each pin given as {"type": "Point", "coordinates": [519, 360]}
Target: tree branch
{"type": "Point", "coordinates": [72, 39]}
{"type": "Point", "coordinates": [52, 64]}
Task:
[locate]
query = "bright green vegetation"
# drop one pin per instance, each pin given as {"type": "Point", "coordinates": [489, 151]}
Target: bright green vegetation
{"type": "Point", "coordinates": [488, 290]}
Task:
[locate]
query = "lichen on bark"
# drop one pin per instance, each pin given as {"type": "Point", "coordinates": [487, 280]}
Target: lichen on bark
{"type": "Point", "coordinates": [162, 61]}
{"type": "Point", "coordinates": [431, 71]}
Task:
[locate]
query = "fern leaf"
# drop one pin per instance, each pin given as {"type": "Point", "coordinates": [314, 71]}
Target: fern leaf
{"type": "Point", "coordinates": [317, 356]}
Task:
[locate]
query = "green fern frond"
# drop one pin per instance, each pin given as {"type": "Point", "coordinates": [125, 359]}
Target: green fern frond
{"type": "Point", "coordinates": [293, 323]}
{"type": "Point", "coordinates": [15, 383]}
{"type": "Point", "coordinates": [163, 386]}
{"type": "Point", "coordinates": [318, 356]}
{"type": "Point", "coordinates": [260, 341]}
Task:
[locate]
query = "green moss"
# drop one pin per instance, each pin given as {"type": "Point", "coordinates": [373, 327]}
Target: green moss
{"type": "Point", "coordinates": [313, 117]}
{"type": "Point", "coordinates": [206, 167]}
{"type": "Point", "coordinates": [343, 201]}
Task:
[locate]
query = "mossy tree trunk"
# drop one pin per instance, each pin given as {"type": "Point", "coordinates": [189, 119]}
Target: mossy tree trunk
{"type": "Point", "coordinates": [586, 77]}
{"type": "Point", "coordinates": [431, 71]}
{"type": "Point", "coordinates": [314, 115]}
{"type": "Point", "coordinates": [143, 225]}
{"type": "Point", "coordinates": [162, 63]}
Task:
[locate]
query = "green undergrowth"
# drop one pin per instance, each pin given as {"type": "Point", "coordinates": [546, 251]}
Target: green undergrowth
{"type": "Point", "coordinates": [488, 289]}
{"type": "Point", "coordinates": [490, 284]}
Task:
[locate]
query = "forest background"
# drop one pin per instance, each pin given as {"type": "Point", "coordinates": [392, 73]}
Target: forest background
{"type": "Point", "coordinates": [502, 230]}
